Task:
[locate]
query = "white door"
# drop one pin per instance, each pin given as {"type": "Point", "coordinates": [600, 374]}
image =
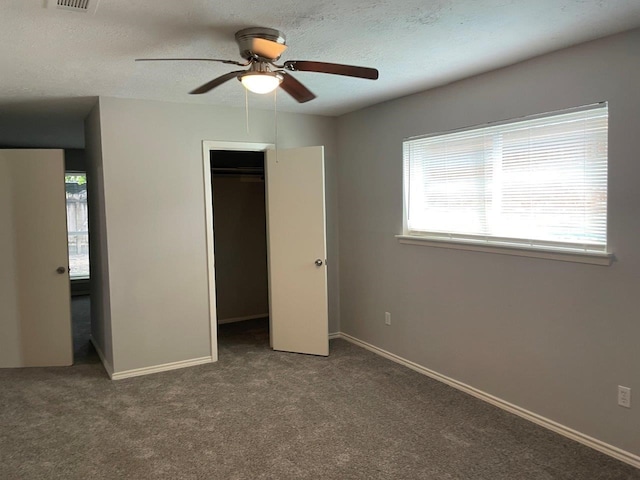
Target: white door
{"type": "Point", "coordinates": [297, 250]}
{"type": "Point", "coordinates": [35, 317]}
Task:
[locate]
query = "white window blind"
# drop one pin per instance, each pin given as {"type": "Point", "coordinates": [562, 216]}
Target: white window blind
{"type": "Point", "coordinates": [536, 182]}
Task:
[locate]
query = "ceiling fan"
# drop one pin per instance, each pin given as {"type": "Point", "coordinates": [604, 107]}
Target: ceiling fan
{"type": "Point", "coordinates": [261, 48]}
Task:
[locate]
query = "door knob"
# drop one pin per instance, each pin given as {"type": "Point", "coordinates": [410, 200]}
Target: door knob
{"type": "Point", "coordinates": [61, 270]}
{"type": "Point", "coordinates": [318, 263]}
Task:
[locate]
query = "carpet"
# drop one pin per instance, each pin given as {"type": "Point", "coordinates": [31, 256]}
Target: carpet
{"type": "Point", "coordinates": [260, 414]}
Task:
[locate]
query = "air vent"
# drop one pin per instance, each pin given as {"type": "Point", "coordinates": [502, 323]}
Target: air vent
{"type": "Point", "coordinates": [86, 6]}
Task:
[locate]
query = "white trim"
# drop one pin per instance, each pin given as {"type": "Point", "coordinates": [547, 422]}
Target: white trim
{"type": "Point", "coordinates": [107, 366]}
{"type": "Point", "coordinates": [239, 146]}
{"type": "Point", "coordinates": [208, 232]}
{"type": "Point", "coordinates": [241, 319]}
{"type": "Point", "coordinates": [579, 437]}
{"type": "Point", "coordinates": [136, 372]}
{"type": "Point", "coordinates": [335, 335]}
{"type": "Point", "coordinates": [593, 258]}
{"type": "Point", "coordinates": [207, 146]}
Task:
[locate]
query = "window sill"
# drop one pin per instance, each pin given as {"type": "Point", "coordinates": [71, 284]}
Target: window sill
{"type": "Point", "coordinates": [592, 258]}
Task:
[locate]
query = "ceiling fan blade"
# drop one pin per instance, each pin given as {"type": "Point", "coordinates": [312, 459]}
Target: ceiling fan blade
{"type": "Point", "coordinates": [294, 88]}
{"type": "Point", "coordinates": [266, 48]}
{"type": "Point", "coordinates": [229, 62]}
{"type": "Point", "coordinates": [332, 68]}
{"type": "Point", "coordinates": [216, 82]}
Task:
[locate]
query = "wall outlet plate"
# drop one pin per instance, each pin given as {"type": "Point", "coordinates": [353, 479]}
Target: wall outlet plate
{"type": "Point", "coordinates": [387, 318]}
{"type": "Point", "coordinates": [624, 396]}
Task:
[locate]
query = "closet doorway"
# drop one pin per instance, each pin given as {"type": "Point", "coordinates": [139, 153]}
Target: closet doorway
{"type": "Point", "coordinates": [240, 246]}
{"type": "Point", "coordinates": [296, 246]}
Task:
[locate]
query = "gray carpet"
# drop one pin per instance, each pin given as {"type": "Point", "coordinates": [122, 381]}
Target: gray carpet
{"type": "Point", "coordinates": [83, 351]}
{"type": "Point", "coordinates": [259, 414]}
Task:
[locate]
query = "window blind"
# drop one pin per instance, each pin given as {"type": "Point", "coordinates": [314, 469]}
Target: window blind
{"type": "Point", "coordinates": [539, 182]}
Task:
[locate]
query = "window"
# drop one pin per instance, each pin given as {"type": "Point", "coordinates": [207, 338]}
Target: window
{"type": "Point", "coordinates": [538, 182]}
{"type": "Point", "coordinates": [77, 224]}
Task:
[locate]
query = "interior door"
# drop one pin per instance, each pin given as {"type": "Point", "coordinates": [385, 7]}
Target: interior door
{"type": "Point", "coordinates": [297, 250]}
{"type": "Point", "coordinates": [35, 317]}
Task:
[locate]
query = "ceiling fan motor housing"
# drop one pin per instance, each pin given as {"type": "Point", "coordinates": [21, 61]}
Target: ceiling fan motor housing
{"type": "Point", "coordinates": [245, 37]}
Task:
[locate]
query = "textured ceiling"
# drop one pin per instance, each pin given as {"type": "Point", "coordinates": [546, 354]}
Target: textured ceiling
{"type": "Point", "coordinates": [54, 61]}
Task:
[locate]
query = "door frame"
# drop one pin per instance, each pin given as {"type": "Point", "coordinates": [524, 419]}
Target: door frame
{"type": "Point", "coordinates": [207, 146]}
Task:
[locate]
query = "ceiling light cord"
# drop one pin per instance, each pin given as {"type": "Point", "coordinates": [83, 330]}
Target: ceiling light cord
{"type": "Point", "coordinates": [246, 108]}
{"type": "Point", "coordinates": [275, 120]}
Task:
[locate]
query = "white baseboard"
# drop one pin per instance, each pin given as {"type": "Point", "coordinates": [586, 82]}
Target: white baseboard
{"type": "Point", "coordinates": [107, 366]}
{"type": "Point", "coordinates": [137, 372]}
{"type": "Point", "coordinates": [335, 335]}
{"type": "Point", "coordinates": [591, 442]}
{"type": "Point", "coordinates": [241, 319]}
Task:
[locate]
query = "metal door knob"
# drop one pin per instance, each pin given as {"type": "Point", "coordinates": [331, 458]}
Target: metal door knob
{"type": "Point", "coordinates": [318, 263]}
{"type": "Point", "coordinates": [61, 270]}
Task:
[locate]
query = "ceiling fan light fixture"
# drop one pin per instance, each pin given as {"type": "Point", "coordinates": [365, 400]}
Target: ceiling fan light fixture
{"type": "Point", "coordinates": [261, 82]}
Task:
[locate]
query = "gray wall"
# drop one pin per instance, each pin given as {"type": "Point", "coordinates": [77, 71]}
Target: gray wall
{"type": "Point", "coordinates": [552, 337]}
{"type": "Point", "coordinates": [33, 132]}
{"type": "Point", "coordinates": [240, 235]}
{"type": "Point", "coordinates": [153, 203]}
{"type": "Point", "coordinates": [101, 331]}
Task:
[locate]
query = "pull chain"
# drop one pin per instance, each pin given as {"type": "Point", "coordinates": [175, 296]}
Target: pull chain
{"type": "Point", "coordinates": [246, 107]}
{"type": "Point", "coordinates": [275, 117]}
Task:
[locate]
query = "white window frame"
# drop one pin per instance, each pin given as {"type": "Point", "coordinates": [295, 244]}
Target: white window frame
{"type": "Point", "coordinates": [550, 250]}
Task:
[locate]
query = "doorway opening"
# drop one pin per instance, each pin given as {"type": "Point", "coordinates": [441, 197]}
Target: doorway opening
{"type": "Point", "coordinates": [240, 246]}
{"type": "Point", "coordinates": [295, 225]}
{"type": "Point", "coordinates": [79, 273]}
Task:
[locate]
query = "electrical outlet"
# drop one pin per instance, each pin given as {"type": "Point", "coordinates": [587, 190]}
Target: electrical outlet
{"type": "Point", "coordinates": [624, 396]}
{"type": "Point", "coordinates": [387, 318]}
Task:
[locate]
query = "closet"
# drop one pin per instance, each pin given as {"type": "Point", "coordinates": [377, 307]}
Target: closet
{"type": "Point", "coordinates": [240, 241]}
